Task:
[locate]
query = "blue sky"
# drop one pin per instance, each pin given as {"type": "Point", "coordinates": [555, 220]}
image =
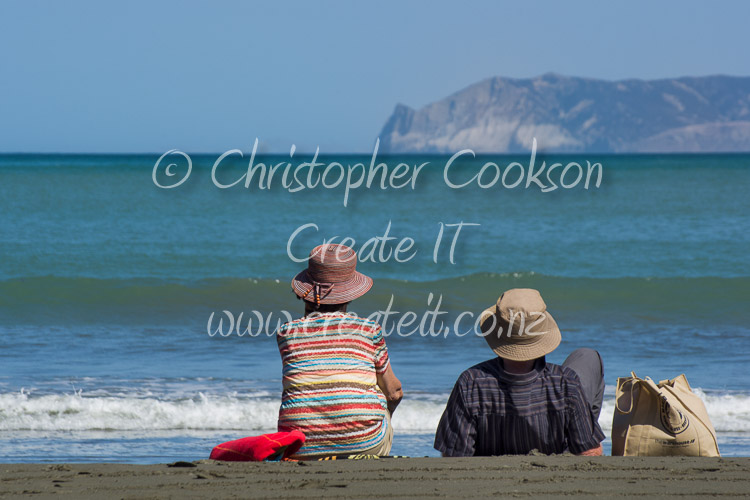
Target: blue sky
{"type": "Point", "coordinates": [207, 77]}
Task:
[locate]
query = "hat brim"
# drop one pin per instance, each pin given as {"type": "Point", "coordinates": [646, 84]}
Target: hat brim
{"type": "Point", "coordinates": [507, 347]}
{"type": "Point", "coordinates": [339, 293]}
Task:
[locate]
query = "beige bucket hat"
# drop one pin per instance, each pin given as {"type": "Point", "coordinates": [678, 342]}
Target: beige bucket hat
{"type": "Point", "coordinates": [518, 327]}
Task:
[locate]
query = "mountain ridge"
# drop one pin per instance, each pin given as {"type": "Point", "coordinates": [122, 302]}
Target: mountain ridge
{"type": "Point", "coordinates": [576, 114]}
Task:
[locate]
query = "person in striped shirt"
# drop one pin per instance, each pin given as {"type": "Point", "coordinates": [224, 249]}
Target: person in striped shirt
{"type": "Point", "coordinates": [517, 402]}
{"type": "Point", "coordinates": [339, 388]}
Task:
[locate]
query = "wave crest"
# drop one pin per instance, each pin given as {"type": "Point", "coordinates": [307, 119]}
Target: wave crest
{"type": "Point", "coordinates": [729, 412]}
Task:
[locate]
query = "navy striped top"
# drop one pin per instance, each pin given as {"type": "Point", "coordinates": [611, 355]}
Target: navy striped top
{"type": "Point", "coordinates": [494, 412]}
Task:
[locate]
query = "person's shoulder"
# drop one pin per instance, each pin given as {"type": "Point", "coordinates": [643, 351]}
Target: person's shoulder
{"type": "Point", "coordinates": [290, 325]}
{"type": "Point", "coordinates": [350, 320]}
{"type": "Point", "coordinates": [563, 373]}
{"type": "Point", "coordinates": [359, 325]}
{"type": "Point", "coordinates": [485, 369]}
{"type": "Point", "coordinates": [553, 370]}
{"type": "Point", "coordinates": [566, 377]}
{"type": "Point", "coordinates": [336, 320]}
{"type": "Point", "coordinates": [367, 322]}
{"type": "Point", "coordinates": [310, 320]}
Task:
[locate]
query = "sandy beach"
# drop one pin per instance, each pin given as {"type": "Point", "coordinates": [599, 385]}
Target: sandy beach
{"type": "Point", "coordinates": [526, 476]}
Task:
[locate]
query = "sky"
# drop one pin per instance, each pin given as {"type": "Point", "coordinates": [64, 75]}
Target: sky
{"type": "Point", "coordinates": [150, 76]}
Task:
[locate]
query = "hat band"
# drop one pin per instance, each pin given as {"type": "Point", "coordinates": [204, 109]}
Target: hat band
{"type": "Point", "coordinates": [330, 273]}
{"type": "Point", "coordinates": [519, 333]}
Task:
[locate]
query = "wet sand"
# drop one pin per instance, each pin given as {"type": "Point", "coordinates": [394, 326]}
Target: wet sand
{"type": "Point", "coordinates": [527, 476]}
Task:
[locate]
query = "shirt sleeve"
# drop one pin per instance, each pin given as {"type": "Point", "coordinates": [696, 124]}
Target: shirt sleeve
{"type": "Point", "coordinates": [583, 432]}
{"type": "Point", "coordinates": [456, 433]}
{"type": "Point", "coordinates": [381, 351]}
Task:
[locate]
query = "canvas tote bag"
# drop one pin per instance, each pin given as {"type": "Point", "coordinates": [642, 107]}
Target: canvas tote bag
{"type": "Point", "coordinates": [661, 419]}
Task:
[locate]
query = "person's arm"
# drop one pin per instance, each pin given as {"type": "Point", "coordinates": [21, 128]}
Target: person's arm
{"type": "Point", "coordinates": [583, 433]}
{"type": "Point", "coordinates": [391, 387]}
{"type": "Point", "coordinates": [456, 435]}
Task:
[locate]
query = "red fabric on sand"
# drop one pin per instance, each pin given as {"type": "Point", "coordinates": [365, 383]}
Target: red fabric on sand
{"type": "Point", "coordinates": [259, 448]}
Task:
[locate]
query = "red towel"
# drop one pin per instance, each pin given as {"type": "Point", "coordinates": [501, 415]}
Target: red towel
{"type": "Point", "coordinates": [272, 447]}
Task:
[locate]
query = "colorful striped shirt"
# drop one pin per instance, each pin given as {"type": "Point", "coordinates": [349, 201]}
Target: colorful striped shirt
{"type": "Point", "coordinates": [494, 412]}
{"type": "Point", "coordinates": [329, 375]}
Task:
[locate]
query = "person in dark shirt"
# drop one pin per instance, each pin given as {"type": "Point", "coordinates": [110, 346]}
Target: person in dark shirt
{"type": "Point", "coordinates": [517, 402]}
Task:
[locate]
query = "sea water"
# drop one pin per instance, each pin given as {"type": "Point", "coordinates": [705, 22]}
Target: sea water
{"type": "Point", "coordinates": [111, 289]}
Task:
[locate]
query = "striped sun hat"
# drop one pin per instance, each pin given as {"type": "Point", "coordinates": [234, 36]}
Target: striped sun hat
{"type": "Point", "coordinates": [331, 276]}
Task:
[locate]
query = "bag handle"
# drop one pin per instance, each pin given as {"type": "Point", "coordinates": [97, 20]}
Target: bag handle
{"type": "Point", "coordinates": [652, 385]}
{"type": "Point", "coordinates": [633, 379]}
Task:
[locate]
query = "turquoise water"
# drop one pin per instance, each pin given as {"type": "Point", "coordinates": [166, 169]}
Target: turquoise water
{"type": "Point", "coordinates": [107, 283]}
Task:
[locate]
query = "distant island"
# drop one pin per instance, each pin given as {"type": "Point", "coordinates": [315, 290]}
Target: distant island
{"type": "Point", "coordinates": [570, 114]}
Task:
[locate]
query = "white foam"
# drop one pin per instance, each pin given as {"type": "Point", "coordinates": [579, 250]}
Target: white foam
{"type": "Point", "coordinates": [419, 415]}
{"type": "Point", "coordinates": [20, 411]}
{"type": "Point", "coordinates": [74, 412]}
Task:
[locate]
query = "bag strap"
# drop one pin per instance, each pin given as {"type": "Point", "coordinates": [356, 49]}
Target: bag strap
{"type": "Point", "coordinates": [619, 391]}
{"type": "Point", "coordinates": [652, 385]}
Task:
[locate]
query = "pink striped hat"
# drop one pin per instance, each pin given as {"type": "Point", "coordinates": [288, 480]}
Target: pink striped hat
{"type": "Point", "coordinates": [331, 276]}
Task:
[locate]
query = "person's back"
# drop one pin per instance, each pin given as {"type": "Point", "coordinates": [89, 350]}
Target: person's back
{"type": "Point", "coordinates": [330, 367]}
{"type": "Point", "coordinates": [518, 402]}
{"type": "Point", "coordinates": [495, 412]}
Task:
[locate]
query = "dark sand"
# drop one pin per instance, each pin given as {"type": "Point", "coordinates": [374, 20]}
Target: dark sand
{"type": "Point", "coordinates": [527, 476]}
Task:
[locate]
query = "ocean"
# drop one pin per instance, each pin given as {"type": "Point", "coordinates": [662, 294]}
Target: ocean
{"type": "Point", "coordinates": [112, 288]}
